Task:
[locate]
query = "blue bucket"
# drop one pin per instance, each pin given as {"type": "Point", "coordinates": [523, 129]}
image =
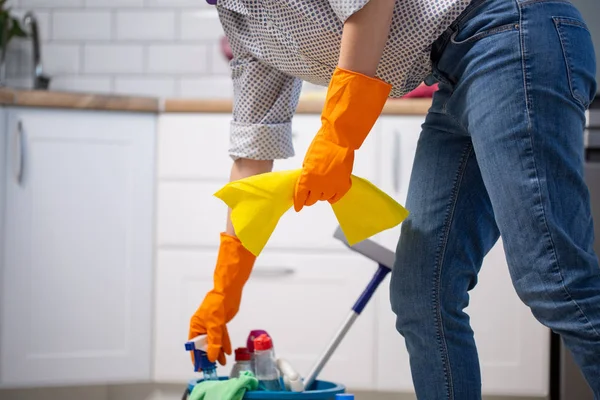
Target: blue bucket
{"type": "Point", "coordinates": [320, 390]}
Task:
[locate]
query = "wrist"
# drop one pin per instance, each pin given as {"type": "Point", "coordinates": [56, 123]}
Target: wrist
{"type": "Point", "coordinates": [353, 103]}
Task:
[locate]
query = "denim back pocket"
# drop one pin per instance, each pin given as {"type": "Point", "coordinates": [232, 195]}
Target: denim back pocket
{"type": "Point", "coordinates": [580, 60]}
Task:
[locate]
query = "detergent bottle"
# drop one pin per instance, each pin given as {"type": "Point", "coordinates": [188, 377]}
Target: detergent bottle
{"type": "Point", "coordinates": [265, 367]}
{"type": "Point", "coordinates": [242, 362]}
{"type": "Point", "coordinates": [201, 361]}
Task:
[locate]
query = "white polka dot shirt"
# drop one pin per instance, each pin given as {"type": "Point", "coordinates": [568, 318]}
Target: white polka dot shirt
{"type": "Point", "coordinates": [277, 44]}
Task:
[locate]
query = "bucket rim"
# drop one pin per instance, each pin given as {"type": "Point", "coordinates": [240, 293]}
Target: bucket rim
{"type": "Point", "coordinates": [261, 395]}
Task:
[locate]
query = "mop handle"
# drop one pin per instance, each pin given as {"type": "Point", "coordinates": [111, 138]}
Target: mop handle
{"type": "Point", "coordinates": [358, 307]}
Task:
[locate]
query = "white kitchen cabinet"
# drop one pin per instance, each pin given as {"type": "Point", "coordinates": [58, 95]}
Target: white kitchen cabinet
{"type": "Point", "coordinates": [513, 347]}
{"type": "Point", "coordinates": [77, 278]}
{"type": "Point", "coordinates": [300, 299]}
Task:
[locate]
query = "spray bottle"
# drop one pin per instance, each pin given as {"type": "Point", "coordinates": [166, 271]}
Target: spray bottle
{"type": "Point", "coordinates": [201, 361]}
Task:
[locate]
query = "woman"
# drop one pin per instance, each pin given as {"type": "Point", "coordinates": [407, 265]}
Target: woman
{"type": "Point", "coordinates": [500, 153]}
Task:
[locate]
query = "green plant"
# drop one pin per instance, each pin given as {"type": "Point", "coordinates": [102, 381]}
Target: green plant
{"type": "Point", "coordinates": [14, 25]}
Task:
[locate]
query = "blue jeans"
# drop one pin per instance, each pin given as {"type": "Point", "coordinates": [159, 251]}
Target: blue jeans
{"type": "Point", "coordinates": [500, 153]}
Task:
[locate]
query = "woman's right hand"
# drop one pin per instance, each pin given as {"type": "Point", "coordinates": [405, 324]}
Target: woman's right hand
{"type": "Point", "coordinates": [210, 319]}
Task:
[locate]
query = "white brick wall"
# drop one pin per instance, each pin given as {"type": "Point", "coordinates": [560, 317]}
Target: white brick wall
{"type": "Point", "coordinates": [166, 48]}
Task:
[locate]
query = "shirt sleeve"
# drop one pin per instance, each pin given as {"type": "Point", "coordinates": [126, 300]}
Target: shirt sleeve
{"type": "Point", "coordinates": [264, 102]}
{"type": "Point", "coordinates": [344, 9]}
{"type": "Point", "coordinates": [264, 99]}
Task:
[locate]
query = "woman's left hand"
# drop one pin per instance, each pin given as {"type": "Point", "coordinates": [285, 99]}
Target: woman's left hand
{"type": "Point", "coordinates": [326, 172]}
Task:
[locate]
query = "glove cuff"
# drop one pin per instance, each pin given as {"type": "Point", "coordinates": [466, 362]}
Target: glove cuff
{"type": "Point", "coordinates": [233, 268]}
{"type": "Point", "coordinates": [353, 103]}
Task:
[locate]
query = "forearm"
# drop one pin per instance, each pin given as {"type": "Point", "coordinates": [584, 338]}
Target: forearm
{"type": "Point", "coordinates": [243, 168]}
{"type": "Point", "coordinates": [364, 37]}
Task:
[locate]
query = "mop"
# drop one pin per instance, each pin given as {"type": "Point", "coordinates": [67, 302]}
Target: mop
{"type": "Point", "coordinates": [385, 260]}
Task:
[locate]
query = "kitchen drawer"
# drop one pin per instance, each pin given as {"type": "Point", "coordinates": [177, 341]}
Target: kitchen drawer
{"type": "Point", "coordinates": [300, 299]}
{"type": "Point", "coordinates": [194, 147]}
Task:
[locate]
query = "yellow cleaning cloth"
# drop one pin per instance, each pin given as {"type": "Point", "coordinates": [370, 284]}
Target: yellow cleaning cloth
{"type": "Point", "coordinates": [258, 202]}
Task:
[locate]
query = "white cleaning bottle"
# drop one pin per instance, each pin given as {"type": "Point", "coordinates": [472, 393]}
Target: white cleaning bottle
{"type": "Point", "coordinates": [264, 364]}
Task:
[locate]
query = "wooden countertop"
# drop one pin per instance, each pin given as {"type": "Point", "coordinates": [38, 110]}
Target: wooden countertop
{"type": "Point", "coordinates": [305, 106]}
{"type": "Point", "coordinates": [84, 101]}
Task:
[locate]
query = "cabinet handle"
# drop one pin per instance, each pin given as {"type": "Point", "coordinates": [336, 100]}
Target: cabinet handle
{"type": "Point", "coordinates": [275, 272]}
{"type": "Point", "coordinates": [19, 153]}
{"type": "Point", "coordinates": [396, 167]}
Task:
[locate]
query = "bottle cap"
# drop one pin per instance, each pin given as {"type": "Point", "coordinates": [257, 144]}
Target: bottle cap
{"type": "Point", "coordinates": [263, 342]}
{"type": "Point", "coordinates": [253, 335]}
{"type": "Point", "coordinates": [345, 396]}
{"type": "Point", "coordinates": [242, 354]}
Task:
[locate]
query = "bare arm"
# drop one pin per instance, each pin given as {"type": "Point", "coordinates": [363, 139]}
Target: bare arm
{"type": "Point", "coordinates": [364, 37]}
{"type": "Point", "coordinates": [243, 168]}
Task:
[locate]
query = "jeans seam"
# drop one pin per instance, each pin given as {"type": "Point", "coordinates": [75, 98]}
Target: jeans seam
{"type": "Point", "coordinates": [449, 114]}
{"type": "Point", "coordinates": [548, 233]}
{"type": "Point", "coordinates": [439, 261]}
{"type": "Point", "coordinates": [524, 67]}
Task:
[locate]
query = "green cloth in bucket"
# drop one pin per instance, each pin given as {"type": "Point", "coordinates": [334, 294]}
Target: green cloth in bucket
{"type": "Point", "coordinates": [231, 389]}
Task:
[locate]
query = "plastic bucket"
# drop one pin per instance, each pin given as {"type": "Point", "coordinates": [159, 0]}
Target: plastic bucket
{"type": "Point", "coordinates": [321, 390]}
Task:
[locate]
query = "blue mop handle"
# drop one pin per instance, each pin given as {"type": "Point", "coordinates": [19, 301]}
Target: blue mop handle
{"type": "Point", "coordinates": [357, 309]}
{"type": "Point", "coordinates": [366, 295]}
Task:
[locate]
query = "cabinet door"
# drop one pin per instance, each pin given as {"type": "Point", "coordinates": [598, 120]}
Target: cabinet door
{"type": "Point", "coordinates": [300, 299]}
{"type": "Point", "coordinates": [513, 347]}
{"type": "Point", "coordinates": [77, 280]}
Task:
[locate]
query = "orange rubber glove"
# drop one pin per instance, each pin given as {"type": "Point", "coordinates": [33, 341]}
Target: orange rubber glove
{"type": "Point", "coordinates": [221, 304]}
{"type": "Point", "coordinates": [353, 103]}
